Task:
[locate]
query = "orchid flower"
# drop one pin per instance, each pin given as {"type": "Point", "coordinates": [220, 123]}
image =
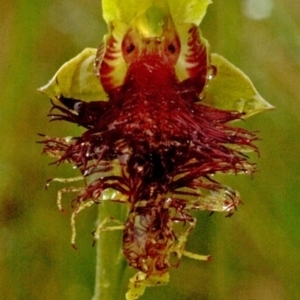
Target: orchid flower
{"type": "Point", "coordinates": [156, 107]}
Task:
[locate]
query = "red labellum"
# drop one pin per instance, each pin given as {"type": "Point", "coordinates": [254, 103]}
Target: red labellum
{"type": "Point", "coordinates": [164, 144]}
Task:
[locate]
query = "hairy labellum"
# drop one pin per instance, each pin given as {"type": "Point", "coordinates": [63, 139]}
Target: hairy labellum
{"type": "Point", "coordinates": [167, 146]}
{"type": "Point", "coordinates": [154, 143]}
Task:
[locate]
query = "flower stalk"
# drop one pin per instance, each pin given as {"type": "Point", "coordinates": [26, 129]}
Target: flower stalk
{"type": "Point", "coordinates": [110, 261]}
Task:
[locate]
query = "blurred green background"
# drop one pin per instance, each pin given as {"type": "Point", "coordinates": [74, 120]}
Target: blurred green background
{"type": "Point", "coordinates": [255, 253]}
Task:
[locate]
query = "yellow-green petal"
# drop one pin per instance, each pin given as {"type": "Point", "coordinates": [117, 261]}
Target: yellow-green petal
{"type": "Point", "coordinates": [111, 66]}
{"type": "Point", "coordinates": [231, 89]}
{"type": "Point", "coordinates": [76, 79]}
{"type": "Point", "coordinates": [189, 11]}
{"type": "Point", "coordinates": [182, 11]}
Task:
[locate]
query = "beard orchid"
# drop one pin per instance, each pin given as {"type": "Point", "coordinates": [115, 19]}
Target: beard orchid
{"type": "Point", "coordinates": [155, 106]}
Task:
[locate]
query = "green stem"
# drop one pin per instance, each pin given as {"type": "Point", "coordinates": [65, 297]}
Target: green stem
{"type": "Point", "coordinates": [110, 262]}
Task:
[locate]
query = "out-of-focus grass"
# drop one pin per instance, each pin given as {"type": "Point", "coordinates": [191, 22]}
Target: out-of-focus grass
{"type": "Point", "coordinates": [255, 253]}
